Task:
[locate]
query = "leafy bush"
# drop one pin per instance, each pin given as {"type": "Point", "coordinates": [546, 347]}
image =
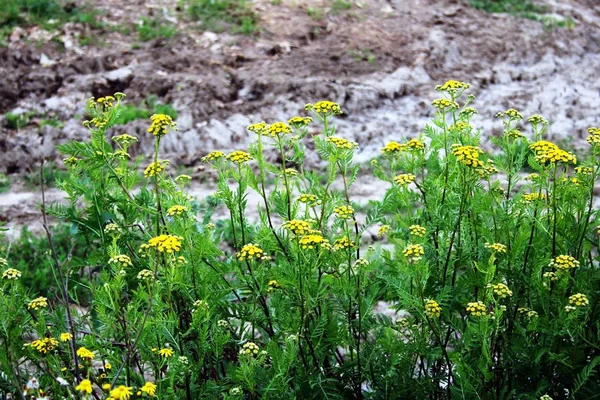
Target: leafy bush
{"type": "Point", "coordinates": [492, 284]}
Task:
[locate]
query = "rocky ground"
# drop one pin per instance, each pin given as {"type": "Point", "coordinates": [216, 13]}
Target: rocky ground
{"type": "Point", "coordinates": [379, 59]}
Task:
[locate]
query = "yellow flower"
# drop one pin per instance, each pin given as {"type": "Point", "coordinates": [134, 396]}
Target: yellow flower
{"type": "Point", "coordinates": [501, 290]}
{"type": "Point", "coordinates": [594, 136]}
{"type": "Point", "coordinates": [511, 113]}
{"type": "Point", "coordinates": [313, 240]}
{"type": "Point", "coordinates": [468, 155]}
{"type": "Point", "coordinates": [532, 197]}
{"type": "Point", "coordinates": [121, 260]}
{"type": "Point", "coordinates": [145, 275]}
{"type": "Point", "coordinates": [415, 144]}
{"type": "Point", "coordinates": [176, 211]}
{"type": "Point", "coordinates": [551, 276]}
{"type": "Point", "coordinates": [467, 112]}
{"type": "Point", "coordinates": [250, 349]}
{"type": "Point", "coordinates": [124, 140]}
{"type": "Point", "coordinates": [166, 243]}
{"type": "Point", "coordinates": [106, 386]}
{"type": "Point", "coordinates": [85, 353]}
{"type": "Point", "coordinates": [273, 284]}
{"type": "Point", "coordinates": [537, 120]}
{"type": "Point", "coordinates": [414, 252]}
{"type": "Point", "coordinates": [213, 156]}
{"type": "Point", "coordinates": [417, 230]}
{"type": "Point", "coordinates": [584, 170]}
{"type": "Point", "coordinates": [239, 157]}
{"type": "Point", "coordinates": [155, 168]}
{"type": "Point", "coordinates": [556, 156]}
{"type": "Point", "coordinates": [404, 179]}
{"type": "Point", "coordinates": [183, 179]}
{"type": "Point", "coordinates": [112, 229]}
{"type": "Point", "coordinates": [579, 300]}
{"type": "Point", "coordinates": [564, 262]}
{"type": "Point", "coordinates": [71, 161]}
{"type": "Point", "coordinates": [149, 388]}
{"type": "Point", "coordinates": [121, 393]}
{"type": "Point", "coordinates": [36, 304]}
{"type": "Point", "coordinates": [289, 172]}
{"type": "Point", "coordinates": [496, 247]}
{"type": "Point", "coordinates": [343, 243]}
{"type": "Point", "coordinates": [515, 134]}
{"type": "Point", "coordinates": [477, 309]}
{"type": "Point", "coordinates": [250, 251]}
{"type": "Point", "coordinates": [107, 366]}
{"type": "Point", "coordinates": [165, 352]}
{"type": "Point", "coordinates": [344, 212]}
{"type": "Point", "coordinates": [443, 104]}
{"type": "Point", "coordinates": [527, 312]}
{"type": "Point", "coordinates": [432, 308]}
{"type": "Point", "coordinates": [460, 126]}
{"type": "Point", "coordinates": [383, 230]}
{"type": "Point", "coordinates": [342, 143]}
{"type": "Point", "coordinates": [452, 86]}
{"type": "Point", "coordinates": [257, 128]}
{"type": "Point", "coordinates": [277, 129]}
{"type": "Point", "coordinates": [297, 227]}
{"type": "Point", "coordinates": [65, 337]}
{"type": "Point", "coordinates": [161, 124]}
{"type": "Point", "coordinates": [85, 386]}
{"type": "Point", "coordinates": [542, 146]}
{"type": "Point", "coordinates": [324, 108]}
{"type": "Point", "coordinates": [393, 148]}
{"type": "Point", "coordinates": [11, 274]}
{"type": "Point", "coordinates": [299, 122]}
{"type": "Point", "coordinates": [44, 345]}
{"type": "Point", "coordinates": [201, 305]}
{"type": "Point", "coordinates": [307, 198]}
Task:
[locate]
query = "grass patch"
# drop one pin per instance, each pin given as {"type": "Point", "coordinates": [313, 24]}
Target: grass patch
{"type": "Point", "coordinates": [517, 7]}
{"type": "Point", "coordinates": [151, 29]}
{"type": "Point", "coordinates": [222, 15]}
{"type": "Point", "coordinates": [131, 112]}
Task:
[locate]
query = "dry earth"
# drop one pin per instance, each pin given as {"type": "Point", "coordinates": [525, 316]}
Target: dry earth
{"type": "Point", "coordinates": [220, 83]}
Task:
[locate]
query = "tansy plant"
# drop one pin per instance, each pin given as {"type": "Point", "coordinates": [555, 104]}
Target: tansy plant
{"type": "Point", "coordinates": [466, 280]}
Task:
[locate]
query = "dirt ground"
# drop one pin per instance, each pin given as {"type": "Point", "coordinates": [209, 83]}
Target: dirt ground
{"type": "Point", "coordinates": [379, 59]}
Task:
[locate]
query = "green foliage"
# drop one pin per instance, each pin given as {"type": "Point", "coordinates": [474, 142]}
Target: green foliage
{"type": "Point", "coordinates": [491, 284]}
{"type": "Point", "coordinates": [4, 183]}
{"type": "Point", "coordinates": [16, 121]}
{"type": "Point", "coordinates": [517, 7]}
{"type": "Point", "coordinates": [155, 28]}
{"type": "Point", "coordinates": [220, 15]}
{"type": "Point", "coordinates": [148, 107]}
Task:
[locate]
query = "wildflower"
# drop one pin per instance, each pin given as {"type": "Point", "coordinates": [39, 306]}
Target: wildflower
{"type": "Point", "coordinates": [343, 243]}
{"type": "Point", "coordinates": [533, 197]}
{"type": "Point", "coordinates": [299, 122]}
{"type": "Point", "coordinates": [181, 260]}
{"type": "Point", "coordinates": [223, 323]}
{"type": "Point", "coordinates": [342, 143]}
{"type": "Point", "coordinates": [501, 290]}
{"type": "Point", "coordinates": [11, 274]}
{"type": "Point", "coordinates": [468, 155]}
{"type": "Point", "coordinates": [594, 136]}
{"type": "Point", "coordinates": [121, 393]}
{"type": "Point", "coordinates": [460, 126]}
{"type": "Point", "coordinates": [564, 262]}
{"type": "Point", "coordinates": [404, 179]}
{"type": "Point", "coordinates": [392, 148]}
{"type": "Point", "coordinates": [432, 309]}
{"type": "Point", "coordinates": [383, 230]}
{"type": "Point", "coordinates": [277, 129]}
{"type": "Point", "coordinates": [65, 337]}
{"type": "Point", "coordinates": [165, 352]}
{"type": "Point", "coordinates": [415, 144]}
{"type": "Point", "coordinates": [542, 146]}
{"type": "Point", "coordinates": [210, 226]}
{"type": "Point", "coordinates": [155, 168]}
{"type": "Point", "coordinates": [166, 243]}
{"type": "Point", "coordinates": [579, 300]}
{"type": "Point", "coordinates": [477, 309]}
{"type": "Point", "coordinates": [121, 260]}
{"type": "Point", "coordinates": [361, 262]}
{"type": "Point", "coordinates": [417, 230]}
{"type": "Point", "coordinates": [414, 252]}
{"type": "Point", "coordinates": [161, 125]}
{"type": "Point", "coordinates": [545, 397]}
{"type": "Point", "coordinates": [145, 275]}
{"type": "Point", "coordinates": [213, 156]}
{"type": "Point", "coordinates": [257, 128]}
{"type": "Point", "coordinates": [487, 170]}
{"type": "Point", "coordinates": [568, 309]}
{"type": "Point", "coordinates": [297, 227]}
{"type": "Point", "coordinates": [537, 120]}
{"type": "Point", "coordinates": [106, 387]}
{"type": "Point", "coordinates": [515, 134]}
{"type": "Point", "coordinates": [201, 305]}
{"type": "Point", "coordinates": [183, 359]}
{"type": "Point", "coordinates": [584, 170]}
{"type": "Point", "coordinates": [112, 229]}
{"type": "Point", "coordinates": [250, 251]}
{"type": "Point", "coordinates": [71, 161]}
{"type": "Point", "coordinates": [273, 285]}
{"type": "Point", "coordinates": [555, 156]}
{"type": "Point", "coordinates": [289, 172]}
{"type": "Point", "coordinates": [86, 354]}
{"type": "Point", "coordinates": [467, 112]}
{"type": "Point", "coordinates": [308, 198]}
{"type": "Point", "coordinates": [250, 349]}
{"type": "Point", "coordinates": [176, 211]}
{"type": "Point", "coordinates": [235, 391]}
{"type": "Point", "coordinates": [37, 303]}
{"type": "Point", "coordinates": [511, 113]}
{"type": "Point", "coordinates": [324, 108]}
{"type": "Point", "coordinates": [44, 345]}
{"type": "Point", "coordinates": [313, 240]}
{"type": "Point", "coordinates": [183, 179]}
{"type": "Point", "coordinates": [344, 212]}
{"type": "Point", "coordinates": [85, 386]}
{"type": "Point", "coordinates": [124, 140]}
{"type": "Point", "coordinates": [443, 104]}
{"type": "Point", "coordinates": [239, 157]}
{"type": "Point", "coordinates": [149, 388]}
{"type": "Point", "coordinates": [3, 262]}
{"type": "Point", "coordinates": [496, 247]}
{"type": "Point", "coordinates": [452, 87]}
{"type": "Point", "coordinates": [551, 276]}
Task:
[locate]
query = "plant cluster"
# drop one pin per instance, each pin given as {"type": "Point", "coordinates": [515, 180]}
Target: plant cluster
{"type": "Point", "coordinates": [491, 278]}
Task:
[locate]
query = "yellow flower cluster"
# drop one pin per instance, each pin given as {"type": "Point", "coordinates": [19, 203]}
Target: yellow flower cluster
{"type": "Point", "coordinates": [551, 276]}
{"type": "Point", "coordinates": [594, 136]}
{"type": "Point", "coordinates": [257, 128]}
{"type": "Point", "coordinates": [564, 262]}
{"type": "Point", "coordinates": [342, 143]}
{"type": "Point", "coordinates": [155, 168]}
{"type": "Point", "coordinates": [511, 113]}
{"type": "Point", "coordinates": [307, 198]}
{"type": "Point", "coordinates": [501, 290]}
{"type": "Point", "coordinates": [201, 305]}
{"type": "Point", "coordinates": [250, 349]}
{"type": "Point", "coordinates": [121, 260]}
{"type": "Point", "coordinates": [476, 309]}
{"type": "Point", "coordinates": [36, 304]}
{"type": "Point", "coordinates": [277, 129]}
{"type": "Point", "coordinates": [452, 86]}
{"type": "Point", "coordinates": [414, 252]}
{"type": "Point", "coordinates": [542, 146]}
{"type": "Point", "coordinates": [556, 156]}
{"type": "Point", "coordinates": [161, 125]}
{"type": "Point", "coordinates": [85, 386]}
{"type": "Point", "coordinates": [432, 309]}
{"type": "Point", "coordinates": [343, 243]}
{"type": "Point", "coordinates": [383, 230]}
{"type": "Point", "coordinates": [239, 157]}
{"type": "Point", "coordinates": [515, 134]}
{"type": "Point", "coordinates": [165, 243]}
{"type": "Point", "coordinates": [487, 170]}
{"type": "Point", "coordinates": [584, 170]}
{"type": "Point", "coordinates": [85, 354]}
{"type": "Point", "coordinates": [362, 262]}
{"type": "Point", "coordinates": [149, 388]}
{"type": "Point", "coordinates": [299, 122]}
{"type": "Point", "coordinates": [324, 108]}
{"type": "Point", "coordinates": [443, 104]}
{"type": "Point", "coordinates": [417, 230]}
{"type": "Point", "coordinates": [250, 251]}
{"type": "Point", "coordinates": [496, 247]}
{"type": "Point", "coordinates": [213, 156]}
{"type": "Point", "coordinates": [176, 210]}
{"type": "Point", "coordinates": [468, 155]}
{"type": "Point", "coordinates": [65, 337]}
{"type": "Point", "coordinates": [289, 172]}
{"type": "Point", "coordinates": [537, 119]}
{"type": "Point", "coordinates": [124, 140]}
{"type": "Point", "coordinates": [297, 226]}
{"type": "Point", "coordinates": [44, 345]}
{"type": "Point", "coordinates": [579, 300]}
{"type": "Point", "coordinates": [344, 212]}
{"type": "Point", "coordinates": [11, 274]}
{"type": "Point", "coordinates": [392, 148]}
{"type": "Point", "coordinates": [415, 144]}
{"type": "Point", "coordinates": [467, 112]}
{"type": "Point", "coordinates": [112, 229]}
{"type": "Point", "coordinates": [273, 285]}
{"type": "Point", "coordinates": [404, 179]}
{"type": "Point", "coordinates": [183, 179]}
{"type": "Point", "coordinates": [121, 393]}
{"type": "Point", "coordinates": [314, 240]}
{"type": "Point", "coordinates": [460, 126]}
{"type": "Point", "coordinates": [145, 275]}
{"type": "Point", "coordinates": [165, 352]}
{"type": "Point", "coordinates": [527, 312]}
{"type": "Point", "coordinates": [532, 197]}
{"type": "Point", "coordinates": [69, 162]}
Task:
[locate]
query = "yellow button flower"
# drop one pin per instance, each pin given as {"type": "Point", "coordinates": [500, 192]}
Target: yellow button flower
{"type": "Point", "coordinates": [85, 386]}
